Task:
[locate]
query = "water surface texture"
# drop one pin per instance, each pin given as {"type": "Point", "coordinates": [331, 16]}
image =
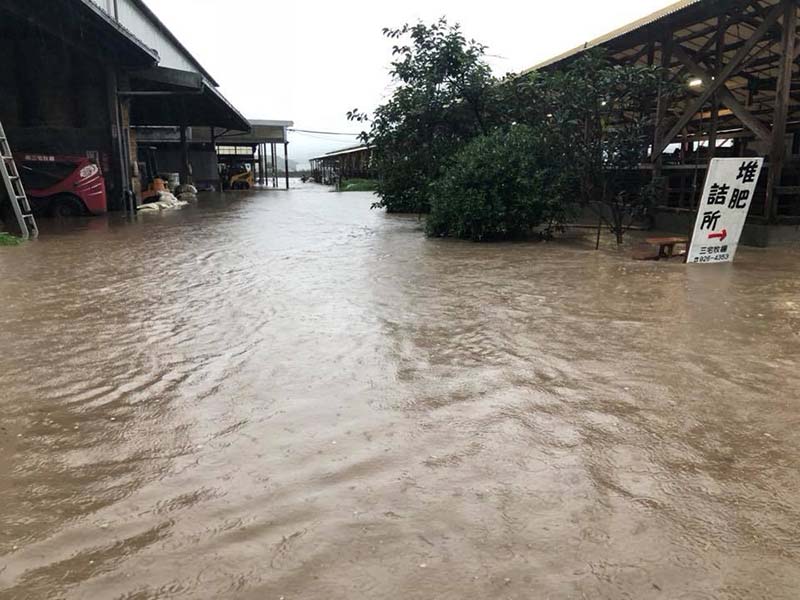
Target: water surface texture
{"type": "Point", "coordinates": [287, 395]}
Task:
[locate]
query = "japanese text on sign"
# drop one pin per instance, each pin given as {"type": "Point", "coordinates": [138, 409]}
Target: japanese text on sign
{"type": "Point", "coordinates": [729, 189]}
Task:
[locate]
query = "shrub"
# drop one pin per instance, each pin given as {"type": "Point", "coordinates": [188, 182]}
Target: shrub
{"type": "Point", "coordinates": [503, 185]}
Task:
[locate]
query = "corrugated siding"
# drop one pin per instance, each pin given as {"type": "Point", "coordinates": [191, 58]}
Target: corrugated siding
{"type": "Point", "coordinates": [139, 25]}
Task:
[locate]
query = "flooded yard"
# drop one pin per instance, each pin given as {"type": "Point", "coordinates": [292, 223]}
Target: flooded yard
{"type": "Point", "coordinates": [288, 395]}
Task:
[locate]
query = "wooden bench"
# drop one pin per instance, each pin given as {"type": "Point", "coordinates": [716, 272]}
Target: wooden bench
{"type": "Point", "coordinates": [666, 245]}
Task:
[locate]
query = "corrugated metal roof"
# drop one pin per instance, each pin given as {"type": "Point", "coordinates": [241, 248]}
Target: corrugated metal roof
{"type": "Point", "coordinates": [172, 38]}
{"type": "Point", "coordinates": [348, 150]}
{"type": "Point", "coordinates": [643, 22]}
{"type": "Point", "coordinates": [129, 36]}
{"type": "Point", "coordinates": [271, 123]}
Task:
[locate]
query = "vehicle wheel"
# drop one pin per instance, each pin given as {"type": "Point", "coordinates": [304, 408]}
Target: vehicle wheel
{"type": "Point", "coordinates": [67, 206]}
{"type": "Point", "coordinates": [240, 185]}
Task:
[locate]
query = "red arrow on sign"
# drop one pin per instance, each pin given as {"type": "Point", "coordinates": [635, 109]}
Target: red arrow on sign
{"type": "Point", "coordinates": [720, 236]}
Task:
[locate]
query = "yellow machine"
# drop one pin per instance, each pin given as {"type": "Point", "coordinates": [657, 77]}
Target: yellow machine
{"type": "Point", "coordinates": [148, 169]}
{"type": "Point", "coordinates": [238, 177]}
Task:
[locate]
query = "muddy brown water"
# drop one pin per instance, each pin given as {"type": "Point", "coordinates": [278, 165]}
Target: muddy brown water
{"type": "Point", "coordinates": [287, 395]}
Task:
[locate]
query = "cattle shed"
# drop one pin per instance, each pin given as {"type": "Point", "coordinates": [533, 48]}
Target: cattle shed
{"type": "Point", "coordinates": [79, 77]}
{"type": "Point", "coordinates": [345, 163]}
{"type": "Point", "coordinates": [736, 64]}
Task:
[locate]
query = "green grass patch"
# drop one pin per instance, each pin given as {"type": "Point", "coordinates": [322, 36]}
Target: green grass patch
{"type": "Point", "coordinates": [6, 239]}
{"type": "Point", "coordinates": [359, 185]}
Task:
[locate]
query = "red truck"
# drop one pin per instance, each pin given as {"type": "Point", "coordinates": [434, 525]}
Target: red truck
{"type": "Point", "coordinates": [63, 186]}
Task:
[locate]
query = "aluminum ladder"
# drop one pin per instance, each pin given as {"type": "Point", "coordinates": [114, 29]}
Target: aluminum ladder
{"type": "Point", "coordinates": [15, 189]}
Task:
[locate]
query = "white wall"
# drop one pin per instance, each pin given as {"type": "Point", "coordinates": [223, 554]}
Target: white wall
{"type": "Point", "coordinates": [139, 25]}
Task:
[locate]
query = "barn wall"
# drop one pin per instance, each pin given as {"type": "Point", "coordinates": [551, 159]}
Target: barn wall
{"type": "Point", "coordinates": [54, 99]}
{"type": "Point", "coordinates": [134, 20]}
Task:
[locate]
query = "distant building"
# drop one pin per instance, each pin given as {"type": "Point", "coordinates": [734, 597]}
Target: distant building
{"type": "Point", "coordinates": [347, 163]}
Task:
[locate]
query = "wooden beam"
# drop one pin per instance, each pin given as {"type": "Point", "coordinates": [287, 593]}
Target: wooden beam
{"type": "Point", "coordinates": [662, 104]}
{"type": "Point", "coordinates": [796, 52]}
{"type": "Point", "coordinates": [708, 44]}
{"type": "Point", "coordinates": [777, 154]}
{"type": "Point", "coordinates": [718, 83]}
{"type": "Point", "coordinates": [724, 94]}
{"type": "Point", "coordinates": [183, 79]}
{"type": "Point", "coordinates": [719, 38]}
{"type": "Point", "coordinates": [735, 15]}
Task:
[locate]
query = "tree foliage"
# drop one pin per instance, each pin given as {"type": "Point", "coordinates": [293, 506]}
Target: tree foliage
{"type": "Point", "coordinates": [493, 158]}
{"type": "Point", "coordinates": [437, 105]}
{"type": "Point", "coordinates": [600, 119]}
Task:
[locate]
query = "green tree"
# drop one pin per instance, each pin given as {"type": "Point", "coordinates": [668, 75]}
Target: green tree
{"type": "Point", "coordinates": [506, 184]}
{"type": "Point", "coordinates": [439, 103]}
{"type": "Point", "coordinates": [600, 119]}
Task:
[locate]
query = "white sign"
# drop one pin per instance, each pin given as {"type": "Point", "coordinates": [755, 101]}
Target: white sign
{"type": "Point", "coordinates": [729, 189]}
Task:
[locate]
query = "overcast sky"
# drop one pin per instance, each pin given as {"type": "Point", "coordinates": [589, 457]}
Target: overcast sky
{"type": "Point", "coordinates": [311, 61]}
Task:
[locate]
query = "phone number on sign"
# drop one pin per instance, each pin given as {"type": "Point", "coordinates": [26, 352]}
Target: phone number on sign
{"type": "Point", "coordinates": [713, 258]}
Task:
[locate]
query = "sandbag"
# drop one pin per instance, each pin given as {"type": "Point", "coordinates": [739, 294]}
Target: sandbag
{"type": "Point", "coordinates": [184, 188]}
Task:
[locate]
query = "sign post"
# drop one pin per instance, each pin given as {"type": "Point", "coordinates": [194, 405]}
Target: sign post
{"type": "Point", "coordinates": [730, 185]}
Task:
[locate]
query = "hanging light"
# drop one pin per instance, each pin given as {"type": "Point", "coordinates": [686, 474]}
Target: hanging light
{"type": "Point", "coordinates": [695, 82]}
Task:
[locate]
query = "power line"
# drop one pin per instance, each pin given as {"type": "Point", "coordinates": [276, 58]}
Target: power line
{"type": "Point", "coordinates": [329, 139]}
{"type": "Point", "coordinates": [324, 132]}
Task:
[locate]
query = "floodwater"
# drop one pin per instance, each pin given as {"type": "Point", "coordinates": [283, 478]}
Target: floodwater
{"type": "Point", "coordinates": [287, 395]}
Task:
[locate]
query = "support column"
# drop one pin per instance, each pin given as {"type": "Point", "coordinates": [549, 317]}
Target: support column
{"type": "Point", "coordinates": [216, 157]}
{"type": "Point", "coordinates": [274, 163]}
{"type": "Point", "coordinates": [286, 162]}
{"type": "Point", "coordinates": [262, 156]}
{"type": "Point", "coordinates": [119, 180]}
{"type": "Point", "coordinates": [186, 165]}
{"type": "Point", "coordinates": [720, 46]}
{"type": "Point", "coordinates": [661, 105]}
{"type": "Point", "coordinates": [777, 153]}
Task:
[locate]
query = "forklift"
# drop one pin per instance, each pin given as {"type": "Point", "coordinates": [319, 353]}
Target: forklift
{"type": "Point", "coordinates": [236, 176]}
{"type": "Point", "coordinates": [152, 182]}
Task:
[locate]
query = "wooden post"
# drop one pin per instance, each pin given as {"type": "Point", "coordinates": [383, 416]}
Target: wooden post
{"type": "Point", "coordinates": [661, 105]}
{"type": "Point", "coordinates": [777, 154]}
{"type": "Point", "coordinates": [720, 46]}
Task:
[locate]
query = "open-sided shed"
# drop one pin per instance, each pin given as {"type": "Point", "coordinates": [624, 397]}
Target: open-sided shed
{"type": "Point", "coordinates": [345, 163]}
{"type": "Point", "coordinates": [737, 63]}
